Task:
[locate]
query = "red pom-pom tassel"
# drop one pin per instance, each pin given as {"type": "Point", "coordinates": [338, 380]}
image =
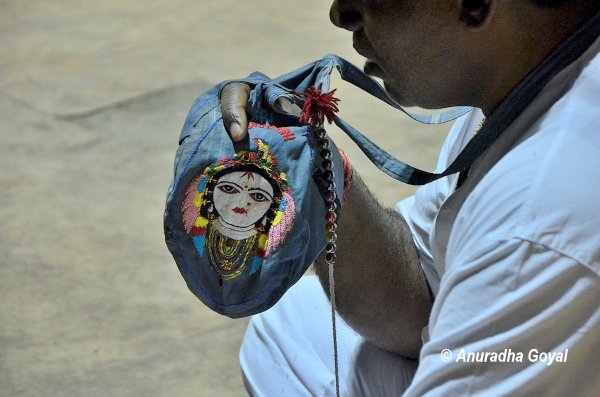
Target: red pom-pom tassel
{"type": "Point", "coordinates": [318, 106]}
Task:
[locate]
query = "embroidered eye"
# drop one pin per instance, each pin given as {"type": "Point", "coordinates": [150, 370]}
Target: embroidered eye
{"type": "Point", "coordinates": [259, 197]}
{"type": "Point", "coordinates": [228, 189]}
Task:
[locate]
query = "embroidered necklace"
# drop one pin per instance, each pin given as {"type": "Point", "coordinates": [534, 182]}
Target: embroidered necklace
{"type": "Point", "coordinates": [228, 256]}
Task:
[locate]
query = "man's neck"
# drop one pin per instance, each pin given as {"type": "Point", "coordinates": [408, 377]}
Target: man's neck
{"type": "Point", "coordinates": [526, 49]}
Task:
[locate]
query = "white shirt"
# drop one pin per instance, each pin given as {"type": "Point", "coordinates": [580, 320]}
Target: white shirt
{"type": "Point", "coordinates": [522, 266]}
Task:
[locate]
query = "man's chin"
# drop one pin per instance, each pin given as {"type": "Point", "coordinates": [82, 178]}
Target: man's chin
{"type": "Point", "coordinates": [395, 95]}
{"type": "Point", "coordinates": [373, 69]}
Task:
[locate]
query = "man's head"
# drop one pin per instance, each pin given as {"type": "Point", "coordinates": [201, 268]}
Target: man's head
{"type": "Point", "coordinates": [437, 54]}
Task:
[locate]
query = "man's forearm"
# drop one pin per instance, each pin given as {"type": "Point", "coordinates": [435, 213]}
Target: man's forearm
{"type": "Point", "coordinates": [380, 288]}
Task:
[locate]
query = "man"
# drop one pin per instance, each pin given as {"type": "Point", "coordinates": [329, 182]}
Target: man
{"type": "Point", "coordinates": [516, 269]}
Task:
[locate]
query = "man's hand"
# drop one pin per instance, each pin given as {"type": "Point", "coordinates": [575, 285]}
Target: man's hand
{"type": "Point", "coordinates": [234, 100]}
{"type": "Point", "coordinates": [234, 103]}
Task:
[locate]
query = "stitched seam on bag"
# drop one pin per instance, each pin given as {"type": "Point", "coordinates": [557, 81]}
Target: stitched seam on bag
{"type": "Point", "coordinates": [199, 107]}
{"type": "Point", "coordinates": [202, 138]}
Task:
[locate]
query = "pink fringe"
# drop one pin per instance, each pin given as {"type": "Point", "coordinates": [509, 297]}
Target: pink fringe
{"type": "Point", "coordinates": [190, 211]}
{"type": "Point", "coordinates": [278, 233]}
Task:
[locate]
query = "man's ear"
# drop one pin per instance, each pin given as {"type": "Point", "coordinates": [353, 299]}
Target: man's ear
{"type": "Point", "coordinates": [475, 13]}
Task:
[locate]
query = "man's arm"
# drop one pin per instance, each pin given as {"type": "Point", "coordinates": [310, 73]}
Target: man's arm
{"type": "Point", "coordinates": [380, 289]}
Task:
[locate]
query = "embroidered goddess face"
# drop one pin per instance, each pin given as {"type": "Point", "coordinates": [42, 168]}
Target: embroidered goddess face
{"type": "Point", "coordinates": [239, 210]}
{"type": "Point", "coordinates": [241, 199]}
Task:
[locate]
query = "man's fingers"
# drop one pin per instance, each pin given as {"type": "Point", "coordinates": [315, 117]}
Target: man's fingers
{"type": "Point", "coordinates": [234, 99]}
{"type": "Point", "coordinates": [284, 105]}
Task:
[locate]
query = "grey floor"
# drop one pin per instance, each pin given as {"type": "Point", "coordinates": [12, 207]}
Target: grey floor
{"type": "Point", "coordinates": [92, 97]}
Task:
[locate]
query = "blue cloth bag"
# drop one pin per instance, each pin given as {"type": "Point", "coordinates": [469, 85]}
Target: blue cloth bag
{"type": "Point", "coordinates": [244, 223]}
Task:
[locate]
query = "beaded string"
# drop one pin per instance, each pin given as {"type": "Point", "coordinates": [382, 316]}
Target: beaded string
{"type": "Point", "coordinates": [331, 227]}
{"type": "Point", "coordinates": [318, 107]}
